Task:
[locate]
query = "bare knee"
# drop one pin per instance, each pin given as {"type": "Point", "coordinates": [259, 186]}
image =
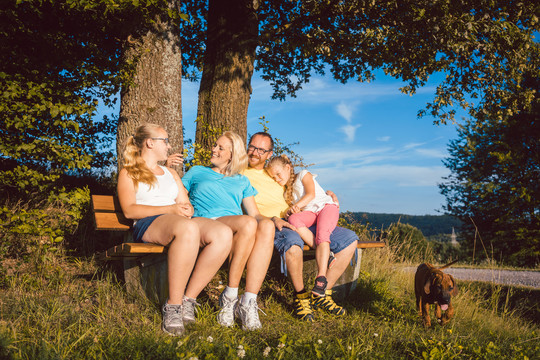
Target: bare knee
{"type": "Point", "coordinates": [266, 230]}
{"type": "Point", "coordinates": [295, 254]}
{"type": "Point", "coordinates": [219, 234]}
{"type": "Point", "coordinates": [248, 225]}
{"type": "Point", "coordinates": [186, 231]}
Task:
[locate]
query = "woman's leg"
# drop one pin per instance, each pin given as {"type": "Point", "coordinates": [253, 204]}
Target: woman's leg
{"type": "Point", "coordinates": [244, 229]}
{"type": "Point", "coordinates": [260, 257]}
{"type": "Point", "coordinates": [327, 220]}
{"type": "Point", "coordinates": [216, 242]}
{"type": "Point", "coordinates": [182, 236]}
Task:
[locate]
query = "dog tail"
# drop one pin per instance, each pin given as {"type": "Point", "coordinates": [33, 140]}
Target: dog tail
{"type": "Point", "coordinates": [448, 265]}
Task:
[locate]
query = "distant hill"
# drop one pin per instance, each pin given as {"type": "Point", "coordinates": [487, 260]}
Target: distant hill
{"type": "Point", "coordinates": [428, 224]}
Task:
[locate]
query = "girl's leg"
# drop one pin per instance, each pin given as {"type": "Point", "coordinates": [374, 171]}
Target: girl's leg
{"type": "Point", "coordinates": [244, 228]}
{"type": "Point", "coordinates": [301, 221]}
{"type": "Point", "coordinates": [182, 236]}
{"type": "Point", "coordinates": [327, 220]}
{"type": "Point", "coordinates": [216, 242]}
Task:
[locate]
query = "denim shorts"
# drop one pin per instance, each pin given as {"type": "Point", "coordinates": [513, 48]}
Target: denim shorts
{"type": "Point", "coordinates": [340, 239]}
{"type": "Point", "coordinates": [141, 226]}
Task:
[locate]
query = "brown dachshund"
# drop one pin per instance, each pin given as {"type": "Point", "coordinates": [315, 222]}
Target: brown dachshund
{"type": "Point", "coordinates": [432, 286]}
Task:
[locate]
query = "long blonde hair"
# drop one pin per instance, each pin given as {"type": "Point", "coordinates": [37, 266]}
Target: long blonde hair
{"type": "Point", "coordinates": [284, 160]}
{"type": "Point", "coordinates": [239, 160]}
{"type": "Point", "coordinates": [133, 162]}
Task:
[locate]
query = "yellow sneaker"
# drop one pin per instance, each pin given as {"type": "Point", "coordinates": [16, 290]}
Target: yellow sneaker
{"type": "Point", "coordinates": [302, 307]}
{"type": "Point", "coordinates": [327, 304]}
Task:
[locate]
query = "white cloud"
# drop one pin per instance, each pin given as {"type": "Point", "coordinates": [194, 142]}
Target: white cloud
{"type": "Point", "coordinates": [412, 145]}
{"type": "Point", "coordinates": [351, 157]}
{"type": "Point", "coordinates": [350, 131]}
{"type": "Point", "coordinates": [345, 110]}
{"type": "Point", "coordinates": [433, 153]}
{"type": "Point", "coordinates": [392, 175]}
{"type": "Point", "coordinates": [383, 138]}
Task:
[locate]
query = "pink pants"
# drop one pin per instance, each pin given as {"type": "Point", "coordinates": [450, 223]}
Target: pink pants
{"type": "Point", "coordinates": [326, 220]}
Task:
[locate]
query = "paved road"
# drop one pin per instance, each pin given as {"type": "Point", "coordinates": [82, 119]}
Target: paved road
{"type": "Point", "coordinates": [505, 277]}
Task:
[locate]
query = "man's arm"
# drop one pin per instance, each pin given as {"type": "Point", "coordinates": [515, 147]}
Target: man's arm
{"type": "Point", "coordinates": [280, 223]}
{"type": "Point", "coordinates": [333, 196]}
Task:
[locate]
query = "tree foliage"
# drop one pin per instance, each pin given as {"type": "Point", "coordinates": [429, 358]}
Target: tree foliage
{"type": "Point", "coordinates": [58, 61]}
{"type": "Point", "coordinates": [494, 187]}
{"type": "Point", "coordinates": [483, 47]}
{"type": "Point", "coordinates": [53, 73]}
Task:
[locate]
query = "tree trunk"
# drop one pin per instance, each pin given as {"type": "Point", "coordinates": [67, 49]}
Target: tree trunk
{"type": "Point", "coordinates": [153, 93]}
{"type": "Point", "coordinates": [225, 87]}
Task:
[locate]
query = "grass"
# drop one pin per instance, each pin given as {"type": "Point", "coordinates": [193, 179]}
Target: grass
{"type": "Point", "coordinates": [57, 307]}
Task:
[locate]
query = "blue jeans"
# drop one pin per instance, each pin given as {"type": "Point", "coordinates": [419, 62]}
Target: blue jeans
{"type": "Point", "coordinates": [340, 239]}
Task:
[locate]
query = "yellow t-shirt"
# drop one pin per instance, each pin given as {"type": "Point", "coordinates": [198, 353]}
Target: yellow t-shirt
{"type": "Point", "coordinates": [269, 200]}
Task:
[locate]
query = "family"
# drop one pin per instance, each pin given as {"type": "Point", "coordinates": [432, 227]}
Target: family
{"type": "Point", "coordinates": [239, 208]}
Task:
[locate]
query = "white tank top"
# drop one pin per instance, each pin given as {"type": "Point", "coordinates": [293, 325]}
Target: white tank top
{"type": "Point", "coordinates": [162, 193]}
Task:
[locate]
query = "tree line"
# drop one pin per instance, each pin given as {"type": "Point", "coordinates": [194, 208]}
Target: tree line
{"type": "Point", "coordinates": [429, 225]}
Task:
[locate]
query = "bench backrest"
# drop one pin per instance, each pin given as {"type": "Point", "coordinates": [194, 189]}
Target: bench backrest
{"type": "Point", "coordinates": [108, 214]}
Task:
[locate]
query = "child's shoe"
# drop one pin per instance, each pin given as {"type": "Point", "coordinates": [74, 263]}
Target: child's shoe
{"type": "Point", "coordinates": [320, 286]}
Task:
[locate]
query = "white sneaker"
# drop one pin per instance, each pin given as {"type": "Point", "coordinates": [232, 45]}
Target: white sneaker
{"type": "Point", "coordinates": [225, 316]}
{"type": "Point", "coordinates": [172, 319]}
{"type": "Point", "coordinates": [249, 315]}
{"type": "Point", "coordinates": [189, 310]}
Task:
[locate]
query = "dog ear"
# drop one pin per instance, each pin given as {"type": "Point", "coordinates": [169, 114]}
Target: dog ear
{"type": "Point", "coordinates": [427, 285]}
{"type": "Point", "coordinates": [455, 290]}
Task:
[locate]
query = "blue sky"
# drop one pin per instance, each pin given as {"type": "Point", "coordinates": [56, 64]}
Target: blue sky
{"type": "Point", "coordinates": [364, 139]}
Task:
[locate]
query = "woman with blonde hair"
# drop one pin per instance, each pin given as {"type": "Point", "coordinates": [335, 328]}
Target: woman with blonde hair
{"type": "Point", "coordinates": [221, 192]}
{"type": "Point", "coordinates": [154, 197]}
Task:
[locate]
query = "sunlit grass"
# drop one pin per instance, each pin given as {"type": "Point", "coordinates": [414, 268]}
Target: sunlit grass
{"type": "Point", "coordinates": [73, 308]}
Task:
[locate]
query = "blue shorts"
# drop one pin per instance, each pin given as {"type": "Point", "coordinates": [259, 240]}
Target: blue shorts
{"type": "Point", "coordinates": [340, 239]}
{"type": "Point", "coordinates": [141, 226]}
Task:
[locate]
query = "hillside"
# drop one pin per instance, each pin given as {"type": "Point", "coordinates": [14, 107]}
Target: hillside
{"type": "Point", "coordinates": [428, 224]}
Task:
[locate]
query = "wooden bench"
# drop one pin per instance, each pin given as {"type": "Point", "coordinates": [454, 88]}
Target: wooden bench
{"type": "Point", "coordinates": [145, 266]}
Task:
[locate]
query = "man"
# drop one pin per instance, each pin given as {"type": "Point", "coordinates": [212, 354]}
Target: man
{"type": "Point", "coordinates": [287, 241]}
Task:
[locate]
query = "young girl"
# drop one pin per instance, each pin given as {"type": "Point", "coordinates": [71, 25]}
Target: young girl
{"type": "Point", "coordinates": [154, 197]}
{"type": "Point", "coordinates": [309, 205]}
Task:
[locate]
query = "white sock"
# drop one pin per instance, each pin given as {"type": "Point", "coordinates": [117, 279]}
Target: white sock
{"type": "Point", "coordinates": [187, 298]}
{"type": "Point", "coordinates": [231, 293]}
{"type": "Point", "coordinates": [247, 297]}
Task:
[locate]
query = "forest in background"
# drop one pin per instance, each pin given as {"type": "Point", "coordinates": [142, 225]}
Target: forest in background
{"type": "Point", "coordinates": [429, 224]}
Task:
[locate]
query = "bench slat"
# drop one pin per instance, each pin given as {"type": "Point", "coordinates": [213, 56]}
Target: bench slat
{"type": "Point", "coordinates": [112, 221]}
{"type": "Point", "coordinates": [371, 244]}
{"type": "Point", "coordinates": [133, 250]}
{"type": "Point", "coordinates": [106, 203]}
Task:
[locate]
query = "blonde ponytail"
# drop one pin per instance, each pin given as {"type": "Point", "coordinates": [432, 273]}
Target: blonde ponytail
{"type": "Point", "coordinates": [133, 162]}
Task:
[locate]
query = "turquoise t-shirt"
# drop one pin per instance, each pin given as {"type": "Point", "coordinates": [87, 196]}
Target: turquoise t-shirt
{"type": "Point", "coordinates": [214, 195]}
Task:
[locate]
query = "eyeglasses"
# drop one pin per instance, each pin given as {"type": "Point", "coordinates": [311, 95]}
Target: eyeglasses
{"type": "Point", "coordinates": [164, 139]}
{"type": "Point", "coordinates": [259, 150]}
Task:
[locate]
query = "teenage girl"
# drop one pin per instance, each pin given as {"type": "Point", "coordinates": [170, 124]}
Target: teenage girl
{"type": "Point", "coordinates": [309, 205]}
{"type": "Point", "coordinates": [154, 197]}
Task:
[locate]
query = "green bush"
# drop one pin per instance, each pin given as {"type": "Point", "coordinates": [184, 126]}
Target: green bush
{"type": "Point", "coordinates": [27, 225]}
{"type": "Point", "coordinates": [408, 243]}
